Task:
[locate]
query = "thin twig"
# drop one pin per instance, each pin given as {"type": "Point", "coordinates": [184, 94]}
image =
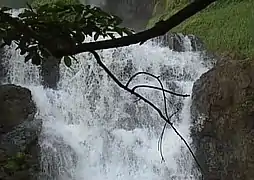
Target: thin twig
{"type": "Point", "coordinates": [138, 73]}
{"type": "Point", "coordinates": [157, 88]}
{"type": "Point", "coordinates": [137, 100]}
{"type": "Point", "coordinates": [165, 103]}
{"type": "Point", "coordinates": [162, 88]}
{"type": "Point", "coordinates": [162, 134]}
{"type": "Point", "coordinates": [160, 142]}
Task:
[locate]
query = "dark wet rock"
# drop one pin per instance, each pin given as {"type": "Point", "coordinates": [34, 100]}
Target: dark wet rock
{"type": "Point", "coordinates": [50, 72]}
{"type": "Point", "coordinates": [16, 106]}
{"type": "Point", "coordinates": [19, 150]}
{"type": "Point", "coordinates": [196, 43]}
{"type": "Point", "coordinates": [177, 42]}
{"type": "Point", "coordinates": [22, 135]}
{"type": "Point", "coordinates": [223, 121]}
{"type": "Point", "coordinates": [3, 70]}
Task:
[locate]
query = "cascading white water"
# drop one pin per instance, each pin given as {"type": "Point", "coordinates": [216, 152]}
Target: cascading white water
{"type": "Point", "coordinates": [93, 130]}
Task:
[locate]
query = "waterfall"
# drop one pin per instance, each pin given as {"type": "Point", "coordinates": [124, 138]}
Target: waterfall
{"type": "Point", "coordinates": [93, 130]}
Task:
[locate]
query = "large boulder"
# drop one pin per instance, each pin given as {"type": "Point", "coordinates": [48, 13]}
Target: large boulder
{"type": "Point", "coordinates": [18, 134]}
{"type": "Point", "coordinates": [223, 121]}
{"type": "Point", "coordinates": [16, 106]}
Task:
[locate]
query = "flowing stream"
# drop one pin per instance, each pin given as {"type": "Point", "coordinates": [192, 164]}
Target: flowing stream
{"type": "Point", "coordinates": [93, 130]}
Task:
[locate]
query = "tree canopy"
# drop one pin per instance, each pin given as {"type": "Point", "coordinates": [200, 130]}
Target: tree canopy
{"type": "Point", "coordinates": [63, 25]}
{"type": "Point", "coordinates": [66, 26]}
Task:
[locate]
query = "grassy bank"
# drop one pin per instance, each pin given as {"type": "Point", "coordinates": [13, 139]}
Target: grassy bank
{"type": "Point", "coordinates": [226, 26]}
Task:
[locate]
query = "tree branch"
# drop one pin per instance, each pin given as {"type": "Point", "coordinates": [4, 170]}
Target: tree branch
{"type": "Point", "coordinates": [157, 88]}
{"type": "Point", "coordinates": [167, 120]}
{"type": "Point", "coordinates": [159, 29]}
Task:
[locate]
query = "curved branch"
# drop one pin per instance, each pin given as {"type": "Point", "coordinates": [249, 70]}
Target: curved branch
{"type": "Point", "coordinates": [162, 88]}
{"type": "Point", "coordinates": [159, 29]}
{"type": "Point", "coordinates": [157, 88]}
{"type": "Point", "coordinates": [138, 73]}
{"type": "Point", "coordinates": [112, 76]}
{"type": "Point", "coordinates": [162, 134]}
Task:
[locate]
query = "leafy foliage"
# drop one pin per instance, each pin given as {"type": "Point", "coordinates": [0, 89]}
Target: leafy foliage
{"type": "Point", "coordinates": [38, 3]}
{"type": "Point", "coordinates": [41, 32]}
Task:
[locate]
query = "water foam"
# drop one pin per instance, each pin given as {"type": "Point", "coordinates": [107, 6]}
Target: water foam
{"type": "Point", "coordinates": [93, 130]}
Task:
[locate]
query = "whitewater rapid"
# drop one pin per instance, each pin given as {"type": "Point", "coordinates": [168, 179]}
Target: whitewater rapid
{"type": "Point", "coordinates": [93, 130]}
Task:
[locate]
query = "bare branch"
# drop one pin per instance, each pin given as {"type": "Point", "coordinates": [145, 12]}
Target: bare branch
{"type": "Point", "coordinates": [162, 134]}
{"type": "Point", "coordinates": [113, 77]}
{"type": "Point", "coordinates": [138, 73]}
{"type": "Point", "coordinates": [157, 88]}
{"type": "Point", "coordinates": [160, 142]}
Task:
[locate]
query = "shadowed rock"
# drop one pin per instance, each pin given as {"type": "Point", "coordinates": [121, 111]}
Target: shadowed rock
{"type": "Point", "coordinates": [16, 106]}
{"type": "Point", "coordinates": [50, 72]}
{"type": "Point", "coordinates": [18, 134]}
{"type": "Point", "coordinates": [177, 42]}
{"type": "Point", "coordinates": [223, 121]}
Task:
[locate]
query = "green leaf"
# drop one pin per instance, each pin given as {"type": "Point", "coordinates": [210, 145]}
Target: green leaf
{"type": "Point", "coordinates": [96, 36]}
{"type": "Point", "coordinates": [26, 13]}
{"type": "Point", "coordinates": [79, 36]}
{"type": "Point", "coordinates": [111, 35]}
{"type": "Point", "coordinates": [42, 8]}
{"type": "Point", "coordinates": [119, 31]}
{"type": "Point", "coordinates": [5, 9]}
{"type": "Point", "coordinates": [67, 61]}
{"type": "Point", "coordinates": [128, 31]}
{"type": "Point", "coordinates": [29, 6]}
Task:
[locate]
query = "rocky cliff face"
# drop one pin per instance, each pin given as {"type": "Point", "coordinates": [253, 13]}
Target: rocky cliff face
{"type": "Point", "coordinates": [176, 42]}
{"type": "Point", "coordinates": [223, 121]}
{"type": "Point", "coordinates": [18, 134]}
{"type": "Point", "coordinates": [135, 13]}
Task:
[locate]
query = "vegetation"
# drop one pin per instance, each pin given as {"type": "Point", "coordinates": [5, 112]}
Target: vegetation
{"type": "Point", "coordinates": [65, 25]}
{"type": "Point", "coordinates": [226, 26]}
{"type": "Point", "coordinates": [16, 163]}
{"type": "Point", "coordinates": [37, 3]}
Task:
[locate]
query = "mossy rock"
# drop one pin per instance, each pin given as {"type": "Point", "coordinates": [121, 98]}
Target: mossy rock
{"type": "Point", "coordinates": [223, 127]}
{"type": "Point", "coordinates": [21, 166]}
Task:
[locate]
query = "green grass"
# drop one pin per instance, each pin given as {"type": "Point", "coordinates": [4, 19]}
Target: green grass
{"type": "Point", "coordinates": [227, 26]}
